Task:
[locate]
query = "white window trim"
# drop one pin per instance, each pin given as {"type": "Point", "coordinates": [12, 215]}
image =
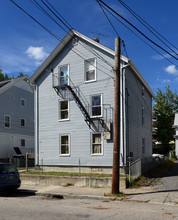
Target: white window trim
{"type": "Point", "coordinates": [60, 154]}
{"type": "Point", "coordinates": [24, 122]}
{"type": "Point", "coordinates": [91, 144]}
{"type": "Point", "coordinates": [59, 67]}
{"type": "Point", "coordinates": [9, 121]}
{"type": "Point", "coordinates": [93, 80]}
{"type": "Point", "coordinates": [24, 102]}
{"type": "Point", "coordinates": [59, 111]}
{"type": "Point", "coordinates": [97, 116]}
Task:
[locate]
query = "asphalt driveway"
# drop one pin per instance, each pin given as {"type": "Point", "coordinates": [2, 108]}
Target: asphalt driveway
{"type": "Point", "coordinates": [170, 180]}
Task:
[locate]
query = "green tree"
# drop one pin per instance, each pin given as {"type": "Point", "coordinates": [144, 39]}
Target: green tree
{"type": "Point", "coordinates": [3, 77]}
{"type": "Point", "coordinates": [20, 74]}
{"type": "Point", "coordinates": [166, 104]}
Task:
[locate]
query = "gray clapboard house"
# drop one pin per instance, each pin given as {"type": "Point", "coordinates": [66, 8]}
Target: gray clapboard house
{"type": "Point", "coordinates": [16, 117]}
{"type": "Point", "coordinates": [74, 101]}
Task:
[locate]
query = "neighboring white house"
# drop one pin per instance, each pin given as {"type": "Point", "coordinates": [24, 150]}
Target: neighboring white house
{"type": "Point", "coordinates": [74, 102]}
{"type": "Point", "coordinates": [176, 136]}
{"type": "Point", "coordinates": [16, 117]}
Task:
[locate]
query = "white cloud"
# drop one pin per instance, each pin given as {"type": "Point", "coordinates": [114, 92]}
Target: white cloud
{"type": "Point", "coordinates": [166, 81]}
{"type": "Point", "coordinates": [163, 56]}
{"type": "Point", "coordinates": [171, 70]}
{"type": "Point", "coordinates": [36, 53]}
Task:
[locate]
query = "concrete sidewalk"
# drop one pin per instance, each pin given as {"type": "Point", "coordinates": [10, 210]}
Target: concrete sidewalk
{"type": "Point", "coordinates": [145, 195]}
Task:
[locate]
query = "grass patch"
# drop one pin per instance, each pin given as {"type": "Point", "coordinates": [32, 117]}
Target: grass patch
{"type": "Point", "coordinates": [35, 172]}
{"type": "Point", "coordinates": [115, 195]}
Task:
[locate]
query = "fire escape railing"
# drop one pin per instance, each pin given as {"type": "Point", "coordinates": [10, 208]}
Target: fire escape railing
{"type": "Point", "coordinates": [80, 101]}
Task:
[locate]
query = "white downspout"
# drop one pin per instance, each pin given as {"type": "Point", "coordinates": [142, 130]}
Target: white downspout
{"type": "Point", "coordinates": [36, 126]}
{"type": "Point", "coordinates": [123, 112]}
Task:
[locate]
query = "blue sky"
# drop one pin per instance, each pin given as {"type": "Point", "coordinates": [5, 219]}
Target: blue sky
{"type": "Point", "coordinates": [24, 44]}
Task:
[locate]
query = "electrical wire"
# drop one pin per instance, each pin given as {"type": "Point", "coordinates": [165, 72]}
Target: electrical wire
{"type": "Point", "coordinates": [108, 19]}
{"type": "Point", "coordinates": [139, 36]}
{"type": "Point", "coordinates": [137, 29]}
{"type": "Point", "coordinates": [122, 41]}
{"type": "Point", "coordinates": [137, 16]}
{"type": "Point", "coordinates": [84, 45]}
{"type": "Point", "coordinates": [58, 38]}
{"type": "Point", "coordinates": [45, 12]}
{"type": "Point", "coordinates": [145, 24]}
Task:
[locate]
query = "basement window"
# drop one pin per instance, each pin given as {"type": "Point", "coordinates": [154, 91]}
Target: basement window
{"type": "Point", "coordinates": [96, 144]}
{"type": "Point", "coordinates": [90, 70]}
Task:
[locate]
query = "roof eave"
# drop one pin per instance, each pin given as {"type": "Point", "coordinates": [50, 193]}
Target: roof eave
{"type": "Point", "coordinates": [52, 56]}
{"type": "Point", "coordinates": [62, 44]}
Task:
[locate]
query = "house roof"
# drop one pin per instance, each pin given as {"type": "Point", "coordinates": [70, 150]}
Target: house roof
{"type": "Point", "coordinates": [5, 85]}
{"type": "Point", "coordinates": [176, 120]}
{"type": "Point", "coordinates": [65, 41]}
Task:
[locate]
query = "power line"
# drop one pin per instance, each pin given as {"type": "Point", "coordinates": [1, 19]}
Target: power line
{"type": "Point", "coordinates": [112, 26]}
{"type": "Point", "coordinates": [55, 14]}
{"type": "Point", "coordinates": [59, 14]}
{"type": "Point", "coordinates": [138, 30]}
{"type": "Point", "coordinates": [108, 19]}
{"type": "Point", "coordinates": [56, 36]}
{"type": "Point", "coordinates": [138, 36]}
{"type": "Point", "coordinates": [140, 18]}
{"type": "Point", "coordinates": [85, 46]}
{"type": "Point", "coordinates": [44, 11]}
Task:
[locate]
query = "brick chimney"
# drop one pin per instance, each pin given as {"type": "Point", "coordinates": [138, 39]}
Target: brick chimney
{"type": "Point", "coordinates": [96, 39]}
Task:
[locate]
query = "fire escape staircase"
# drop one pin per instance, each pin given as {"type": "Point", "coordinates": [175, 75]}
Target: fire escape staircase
{"type": "Point", "coordinates": [82, 104]}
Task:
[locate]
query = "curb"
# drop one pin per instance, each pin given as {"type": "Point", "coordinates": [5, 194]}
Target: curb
{"type": "Point", "coordinates": [74, 196]}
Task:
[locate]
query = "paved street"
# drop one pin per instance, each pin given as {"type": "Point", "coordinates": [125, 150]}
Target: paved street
{"type": "Point", "coordinates": [24, 207]}
{"type": "Point", "coordinates": [58, 202]}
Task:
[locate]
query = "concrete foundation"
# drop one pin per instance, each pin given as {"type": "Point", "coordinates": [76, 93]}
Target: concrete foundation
{"type": "Point", "coordinates": [70, 181]}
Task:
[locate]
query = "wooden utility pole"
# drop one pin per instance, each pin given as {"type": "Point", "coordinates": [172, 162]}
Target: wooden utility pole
{"type": "Point", "coordinates": [116, 148]}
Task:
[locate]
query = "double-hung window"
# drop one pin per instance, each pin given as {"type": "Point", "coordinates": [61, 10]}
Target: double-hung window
{"type": "Point", "coordinates": [96, 143]}
{"type": "Point", "coordinates": [64, 110]}
{"type": "Point", "coordinates": [90, 70]}
{"type": "Point", "coordinates": [64, 75]}
{"type": "Point", "coordinates": [96, 105]}
{"type": "Point", "coordinates": [7, 121]}
{"type": "Point", "coordinates": [65, 144]}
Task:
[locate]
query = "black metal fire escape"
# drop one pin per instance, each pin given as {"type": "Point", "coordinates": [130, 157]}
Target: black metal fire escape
{"type": "Point", "coordinates": [81, 104]}
{"type": "Point", "coordinates": [77, 100]}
